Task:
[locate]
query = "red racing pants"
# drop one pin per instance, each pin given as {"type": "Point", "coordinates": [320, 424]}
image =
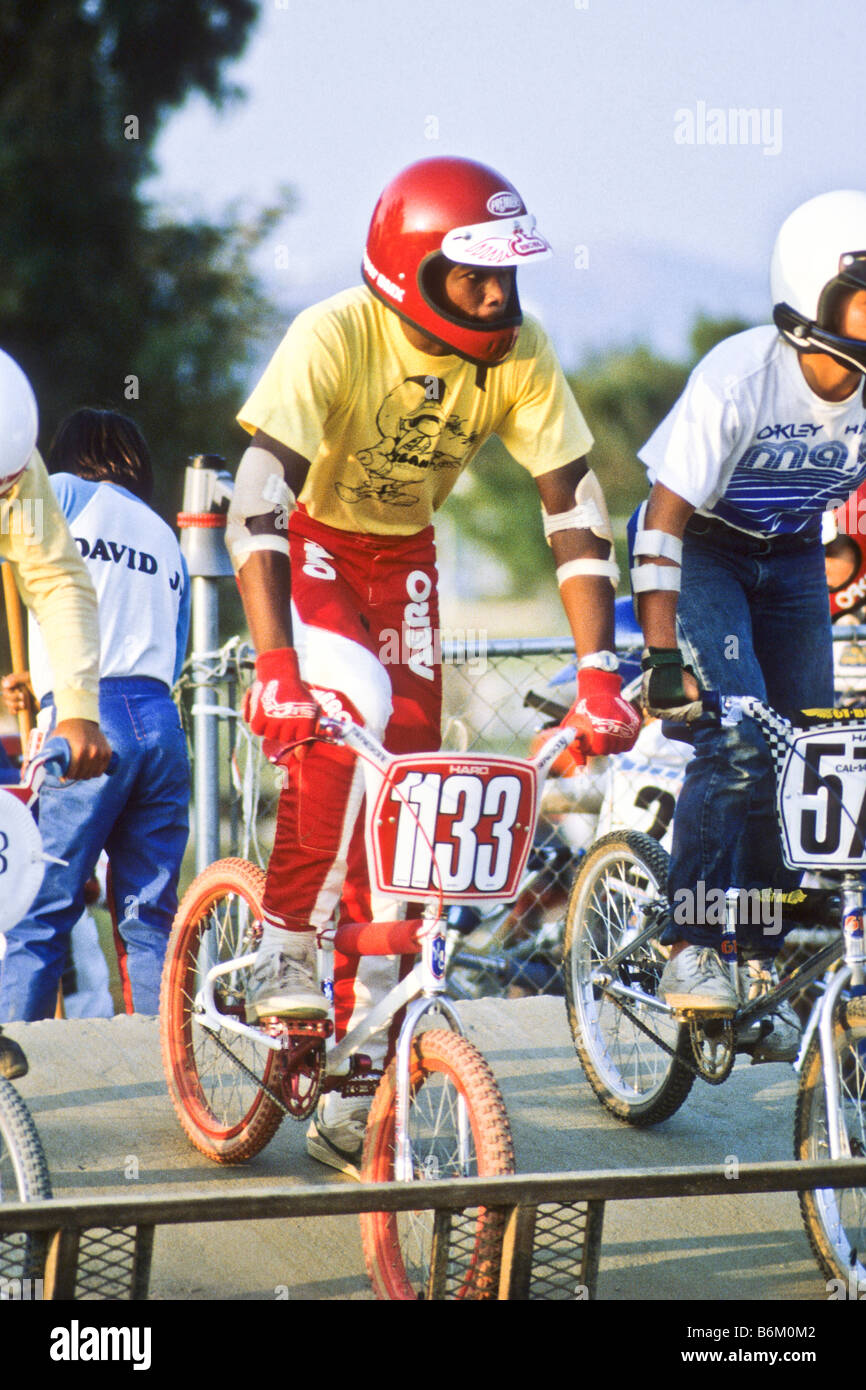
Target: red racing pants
{"type": "Point", "coordinates": [366, 622]}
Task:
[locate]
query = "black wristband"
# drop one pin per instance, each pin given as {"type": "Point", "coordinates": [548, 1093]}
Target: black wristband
{"type": "Point", "coordinates": [655, 657]}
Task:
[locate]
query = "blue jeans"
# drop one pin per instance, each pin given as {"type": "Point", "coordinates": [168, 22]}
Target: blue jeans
{"type": "Point", "coordinates": [749, 624]}
{"type": "Point", "coordinates": [139, 815]}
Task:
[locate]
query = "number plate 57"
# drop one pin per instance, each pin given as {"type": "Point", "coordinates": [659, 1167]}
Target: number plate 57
{"type": "Point", "coordinates": [822, 800]}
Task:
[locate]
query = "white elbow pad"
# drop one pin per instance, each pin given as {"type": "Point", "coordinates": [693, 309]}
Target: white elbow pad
{"type": "Point", "coordinates": [657, 544]}
{"type": "Point", "coordinates": [260, 489]}
{"type": "Point", "coordinates": [589, 513]}
{"type": "Point", "coordinates": [607, 569]}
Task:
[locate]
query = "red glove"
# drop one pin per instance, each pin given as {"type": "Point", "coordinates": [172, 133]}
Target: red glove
{"type": "Point", "coordinates": [605, 722]}
{"type": "Point", "coordinates": [278, 705]}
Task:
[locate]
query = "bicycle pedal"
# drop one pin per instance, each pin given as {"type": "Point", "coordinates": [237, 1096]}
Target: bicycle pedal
{"type": "Point", "coordinates": [300, 1029]}
{"type": "Point", "coordinates": [361, 1086]}
{"type": "Point", "coordinates": [691, 1011]}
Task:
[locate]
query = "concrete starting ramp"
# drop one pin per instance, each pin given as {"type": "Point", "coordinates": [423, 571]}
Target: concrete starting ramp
{"type": "Point", "coordinates": [97, 1093]}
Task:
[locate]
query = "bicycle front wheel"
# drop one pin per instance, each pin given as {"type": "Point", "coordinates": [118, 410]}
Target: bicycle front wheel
{"type": "Point", "coordinates": [458, 1127]}
{"type": "Point", "coordinates": [216, 1078]}
{"type": "Point", "coordinates": [630, 1053]}
{"type": "Point", "coordinates": [835, 1220]}
{"type": "Point", "coordinates": [23, 1178]}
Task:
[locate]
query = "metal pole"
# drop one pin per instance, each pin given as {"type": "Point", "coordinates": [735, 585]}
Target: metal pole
{"type": "Point", "coordinates": [207, 489]}
{"type": "Point", "coordinates": [205, 639]}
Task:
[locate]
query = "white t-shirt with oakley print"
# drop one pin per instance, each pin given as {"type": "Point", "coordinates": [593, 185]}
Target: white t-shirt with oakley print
{"type": "Point", "coordinates": [750, 442]}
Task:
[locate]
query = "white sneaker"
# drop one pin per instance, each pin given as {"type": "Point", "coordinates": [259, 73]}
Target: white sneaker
{"type": "Point", "coordinates": [757, 977]}
{"type": "Point", "coordinates": [696, 979]}
{"type": "Point", "coordinates": [336, 1135]}
{"type": "Point", "coordinates": [283, 982]}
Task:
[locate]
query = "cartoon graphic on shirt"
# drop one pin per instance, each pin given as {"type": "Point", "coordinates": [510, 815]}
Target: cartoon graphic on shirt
{"type": "Point", "coordinates": [411, 424]}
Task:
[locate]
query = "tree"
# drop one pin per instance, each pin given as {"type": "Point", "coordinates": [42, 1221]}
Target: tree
{"type": "Point", "coordinates": [624, 396]}
{"type": "Point", "coordinates": [102, 300]}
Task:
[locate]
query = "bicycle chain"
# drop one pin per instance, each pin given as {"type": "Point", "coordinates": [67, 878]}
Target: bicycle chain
{"type": "Point", "coordinates": [686, 1062]}
{"type": "Point", "coordinates": [251, 1074]}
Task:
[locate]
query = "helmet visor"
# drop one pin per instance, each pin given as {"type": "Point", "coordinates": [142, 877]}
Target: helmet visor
{"type": "Point", "coordinates": [503, 242]}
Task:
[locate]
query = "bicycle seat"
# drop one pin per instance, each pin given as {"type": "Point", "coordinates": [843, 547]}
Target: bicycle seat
{"type": "Point", "coordinates": [813, 718]}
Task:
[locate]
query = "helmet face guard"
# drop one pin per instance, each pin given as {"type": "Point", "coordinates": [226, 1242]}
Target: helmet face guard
{"type": "Point", "coordinates": [808, 336]}
{"type": "Point", "coordinates": [462, 212]}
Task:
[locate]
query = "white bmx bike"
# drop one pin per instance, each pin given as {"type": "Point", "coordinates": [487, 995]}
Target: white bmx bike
{"type": "Point", "coordinates": [441, 828]}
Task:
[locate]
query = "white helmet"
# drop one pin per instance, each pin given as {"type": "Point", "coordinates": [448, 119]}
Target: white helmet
{"type": "Point", "coordinates": [820, 255]}
{"type": "Point", "coordinates": [19, 422]}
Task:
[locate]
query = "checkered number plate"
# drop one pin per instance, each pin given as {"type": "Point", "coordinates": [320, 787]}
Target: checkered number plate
{"type": "Point", "coordinates": [822, 799]}
{"type": "Point", "coordinates": [459, 826]}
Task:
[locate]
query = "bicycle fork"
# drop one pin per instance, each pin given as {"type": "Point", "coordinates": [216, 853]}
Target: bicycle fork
{"type": "Point", "coordinates": [431, 970]}
{"type": "Point", "coordinates": [851, 975]}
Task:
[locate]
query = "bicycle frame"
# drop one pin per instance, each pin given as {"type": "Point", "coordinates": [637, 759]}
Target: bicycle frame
{"type": "Point", "coordinates": [424, 988]}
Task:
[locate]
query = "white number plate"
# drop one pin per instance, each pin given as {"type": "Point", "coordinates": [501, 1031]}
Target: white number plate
{"type": "Point", "coordinates": [822, 800]}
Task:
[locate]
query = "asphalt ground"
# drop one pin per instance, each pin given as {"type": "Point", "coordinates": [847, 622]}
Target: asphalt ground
{"type": "Point", "coordinates": [97, 1094]}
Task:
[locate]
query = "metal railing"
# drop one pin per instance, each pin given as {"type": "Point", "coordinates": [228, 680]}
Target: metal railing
{"type": "Point", "coordinates": [552, 1240]}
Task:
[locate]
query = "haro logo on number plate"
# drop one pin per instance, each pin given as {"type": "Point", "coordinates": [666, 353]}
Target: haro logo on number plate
{"type": "Point", "coordinates": [465, 833]}
{"type": "Point", "coordinates": [822, 798]}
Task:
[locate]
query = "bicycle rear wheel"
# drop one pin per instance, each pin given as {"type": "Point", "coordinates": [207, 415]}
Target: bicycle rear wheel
{"type": "Point", "coordinates": [216, 1079]}
{"type": "Point", "coordinates": [638, 1079]}
{"type": "Point", "coordinates": [835, 1220]}
{"type": "Point", "coordinates": [458, 1127]}
{"type": "Point", "coordinates": [23, 1178]}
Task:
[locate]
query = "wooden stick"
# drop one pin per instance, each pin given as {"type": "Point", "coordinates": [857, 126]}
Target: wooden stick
{"type": "Point", "coordinates": [17, 644]}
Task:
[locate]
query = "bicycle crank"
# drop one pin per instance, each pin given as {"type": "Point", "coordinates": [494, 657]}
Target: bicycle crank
{"type": "Point", "coordinates": [712, 1042]}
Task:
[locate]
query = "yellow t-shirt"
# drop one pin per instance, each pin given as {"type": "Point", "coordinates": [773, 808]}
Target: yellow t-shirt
{"type": "Point", "coordinates": [52, 580]}
{"type": "Point", "coordinates": [388, 429]}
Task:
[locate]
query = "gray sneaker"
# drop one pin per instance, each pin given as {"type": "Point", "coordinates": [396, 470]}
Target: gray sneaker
{"type": "Point", "coordinates": [696, 979]}
{"type": "Point", "coordinates": [284, 980]}
{"type": "Point", "coordinates": [757, 977]}
{"type": "Point", "coordinates": [336, 1135]}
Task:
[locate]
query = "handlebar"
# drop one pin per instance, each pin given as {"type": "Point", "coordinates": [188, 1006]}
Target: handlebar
{"type": "Point", "coordinates": [53, 760]}
{"type": "Point", "coordinates": [345, 730]}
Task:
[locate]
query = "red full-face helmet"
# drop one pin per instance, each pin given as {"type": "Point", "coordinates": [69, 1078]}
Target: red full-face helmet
{"type": "Point", "coordinates": [844, 536]}
{"type": "Point", "coordinates": [468, 214]}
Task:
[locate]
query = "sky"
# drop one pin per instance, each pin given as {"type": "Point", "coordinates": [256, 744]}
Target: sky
{"type": "Point", "coordinates": [612, 118]}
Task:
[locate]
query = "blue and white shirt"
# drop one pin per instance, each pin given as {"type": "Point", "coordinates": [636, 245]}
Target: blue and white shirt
{"type": "Point", "coordinates": [140, 578]}
{"type": "Point", "coordinates": [751, 443]}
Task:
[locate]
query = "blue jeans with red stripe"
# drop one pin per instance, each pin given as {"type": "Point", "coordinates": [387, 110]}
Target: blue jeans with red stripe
{"type": "Point", "coordinates": [139, 815]}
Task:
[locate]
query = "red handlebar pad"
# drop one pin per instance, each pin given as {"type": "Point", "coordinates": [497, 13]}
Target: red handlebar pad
{"type": "Point", "coordinates": [379, 938]}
